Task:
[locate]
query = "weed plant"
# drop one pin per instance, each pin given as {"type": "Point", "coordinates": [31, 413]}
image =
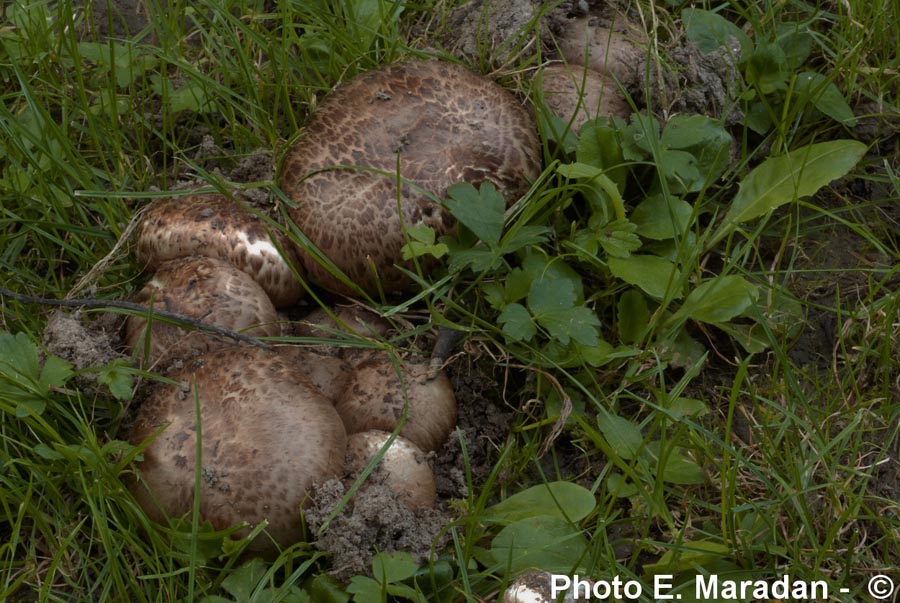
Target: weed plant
{"type": "Point", "coordinates": [705, 313]}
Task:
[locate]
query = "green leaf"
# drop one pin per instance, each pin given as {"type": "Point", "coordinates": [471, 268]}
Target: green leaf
{"type": "Point", "coordinates": [548, 542]}
{"type": "Point", "coordinates": [517, 322]}
{"type": "Point", "coordinates": [660, 218]}
{"type": "Point", "coordinates": [678, 467]}
{"type": "Point", "coordinates": [718, 299]}
{"type": "Point", "coordinates": [241, 582]}
{"type": "Point", "coordinates": [688, 407]}
{"type": "Point", "coordinates": [623, 436]}
{"type": "Point", "coordinates": [633, 315]}
{"type": "Point", "coordinates": [395, 567]}
{"type": "Point", "coordinates": [618, 239]}
{"type": "Point", "coordinates": [709, 31]}
{"type": "Point", "coordinates": [561, 499]}
{"type": "Point", "coordinates": [365, 590]}
{"type": "Point", "coordinates": [825, 96]}
{"type": "Point", "coordinates": [481, 211]}
{"type": "Point", "coordinates": [618, 486]}
{"type": "Point", "coordinates": [649, 272]}
{"type": "Point", "coordinates": [598, 146]}
{"type": "Point", "coordinates": [767, 68]}
{"type": "Point", "coordinates": [552, 303]}
{"type": "Point", "coordinates": [780, 180]}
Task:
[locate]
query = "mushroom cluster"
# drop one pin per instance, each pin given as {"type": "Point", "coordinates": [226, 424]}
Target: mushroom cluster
{"type": "Point", "coordinates": [260, 427]}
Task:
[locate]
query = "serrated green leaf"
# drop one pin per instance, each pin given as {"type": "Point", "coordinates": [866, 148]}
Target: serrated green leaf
{"type": "Point", "coordinates": [553, 306]}
{"type": "Point", "coordinates": [517, 323]}
{"type": "Point", "coordinates": [780, 180]}
{"type": "Point", "coordinates": [650, 273]}
{"type": "Point", "coordinates": [659, 218]}
{"type": "Point", "coordinates": [55, 373]}
{"type": "Point", "coordinates": [118, 378]}
{"type": "Point", "coordinates": [719, 299]}
{"type": "Point", "coordinates": [365, 590]}
{"type": "Point", "coordinates": [618, 239]}
{"type": "Point", "coordinates": [561, 499]}
{"type": "Point", "coordinates": [623, 436]}
{"type": "Point", "coordinates": [481, 211]}
{"type": "Point", "coordinates": [530, 234]}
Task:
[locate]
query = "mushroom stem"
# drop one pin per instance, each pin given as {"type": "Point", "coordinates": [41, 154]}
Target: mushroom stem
{"type": "Point", "coordinates": [447, 339]}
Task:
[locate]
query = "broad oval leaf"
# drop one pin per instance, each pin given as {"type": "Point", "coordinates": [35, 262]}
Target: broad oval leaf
{"type": "Point", "coordinates": [564, 500]}
{"type": "Point", "coordinates": [649, 272]}
{"type": "Point", "coordinates": [545, 541]}
{"type": "Point", "coordinates": [622, 435]}
{"type": "Point", "coordinates": [800, 173]}
{"type": "Point", "coordinates": [659, 218]}
{"type": "Point", "coordinates": [719, 299]}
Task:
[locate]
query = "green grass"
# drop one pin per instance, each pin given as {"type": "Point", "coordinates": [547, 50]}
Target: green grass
{"type": "Point", "coordinates": [758, 444]}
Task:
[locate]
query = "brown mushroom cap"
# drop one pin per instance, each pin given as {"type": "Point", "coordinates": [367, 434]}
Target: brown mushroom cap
{"type": "Point", "coordinates": [375, 399]}
{"type": "Point", "coordinates": [267, 437]}
{"type": "Point", "coordinates": [326, 372]}
{"type": "Point", "coordinates": [204, 288]}
{"type": "Point", "coordinates": [217, 226]}
{"type": "Point", "coordinates": [403, 468]}
{"type": "Point", "coordinates": [580, 94]}
{"type": "Point", "coordinates": [443, 122]}
{"type": "Point", "coordinates": [617, 47]}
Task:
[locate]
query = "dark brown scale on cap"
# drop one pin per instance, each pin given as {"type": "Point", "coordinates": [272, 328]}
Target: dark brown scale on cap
{"type": "Point", "coordinates": [376, 394]}
{"type": "Point", "coordinates": [267, 437]}
{"type": "Point", "coordinates": [217, 226]}
{"type": "Point", "coordinates": [448, 125]}
{"type": "Point", "coordinates": [206, 289]}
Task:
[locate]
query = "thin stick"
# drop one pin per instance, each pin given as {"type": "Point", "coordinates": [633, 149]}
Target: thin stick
{"type": "Point", "coordinates": [178, 319]}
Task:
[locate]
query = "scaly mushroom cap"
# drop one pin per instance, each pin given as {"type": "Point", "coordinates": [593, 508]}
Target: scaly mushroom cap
{"type": "Point", "coordinates": [579, 94]}
{"type": "Point", "coordinates": [267, 437]}
{"type": "Point", "coordinates": [403, 468]}
{"type": "Point", "coordinates": [204, 288]}
{"type": "Point", "coordinates": [327, 372]}
{"type": "Point", "coordinates": [617, 48]}
{"type": "Point", "coordinates": [446, 123]}
{"type": "Point", "coordinates": [217, 226]}
{"type": "Point", "coordinates": [375, 398]}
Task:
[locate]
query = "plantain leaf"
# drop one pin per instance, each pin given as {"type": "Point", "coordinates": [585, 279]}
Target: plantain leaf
{"type": "Point", "coordinates": [622, 435]}
{"type": "Point", "coordinates": [780, 180]}
{"type": "Point", "coordinates": [719, 299]}
{"type": "Point", "coordinates": [649, 272]}
{"type": "Point", "coordinates": [565, 500]}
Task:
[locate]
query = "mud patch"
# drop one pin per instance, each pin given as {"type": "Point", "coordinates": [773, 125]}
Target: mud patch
{"type": "Point", "coordinates": [375, 520]}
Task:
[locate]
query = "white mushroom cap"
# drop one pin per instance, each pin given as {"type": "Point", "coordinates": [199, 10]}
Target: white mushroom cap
{"type": "Point", "coordinates": [376, 395]}
{"type": "Point", "coordinates": [267, 437]}
{"type": "Point", "coordinates": [206, 289]}
{"type": "Point", "coordinates": [444, 123]}
{"type": "Point", "coordinates": [403, 467]}
{"type": "Point", "coordinates": [217, 226]}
